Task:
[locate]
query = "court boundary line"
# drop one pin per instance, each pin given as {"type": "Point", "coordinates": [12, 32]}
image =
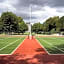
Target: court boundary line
{"type": "Point", "coordinates": [42, 46]}
{"type": "Point", "coordinates": [53, 45]}
{"type": "Point", "coordinates": [14, 49]}
{"type": "Point", "coordinates": [6, 38]}
{"type": "Point", "coordinates": [9, 44]}
{"type": "Point", "coordinates": [46, 49]}
{"type": "Point", "coordinates": [17, 46]}
{"type": "Point", "coordinates": [56, 38]}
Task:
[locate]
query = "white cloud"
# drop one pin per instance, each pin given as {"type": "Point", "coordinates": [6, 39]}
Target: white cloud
{"type": "Point", "coordinates": [42, 15]}
{"type": "Point", "coordinates": [39, 12]}
{"type": "Point", "coordinates": [6, 6]}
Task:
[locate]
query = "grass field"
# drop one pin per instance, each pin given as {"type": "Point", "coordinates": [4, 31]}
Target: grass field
{"type": "Point", "coordinates": [9, 44]}
{"type": "Point", "coordinates": [54, 45]}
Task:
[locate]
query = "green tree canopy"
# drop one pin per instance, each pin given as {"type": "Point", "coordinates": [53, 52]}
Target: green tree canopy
{"type": "Point", "coordinates": [12, 23]}
{"type": "Point", "coordinates": [9, 21]}
{"type": "Point", "coordinates": [22, 27]}
{"type": "Point", "coordinates": [52, 23]}
{"type": "Point", "coordinates": [62, 22]}
{"type": "Point", "coordinates": [37, 27]}
{"type": "Point", "coordinates": [1, 25]}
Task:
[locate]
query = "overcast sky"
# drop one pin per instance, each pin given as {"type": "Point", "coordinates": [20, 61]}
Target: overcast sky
{"type": "Point", "coordinates": [41, 9]}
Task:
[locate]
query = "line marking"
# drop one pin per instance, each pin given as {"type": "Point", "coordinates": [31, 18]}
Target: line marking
{"type": "Point", "coordinates": [14, 49]}
{"type": "Point", "coordinates": [52, 45]}
{"type": "Point", "coordinates": [47, 51]}
{"type": "Point", "coordinates": [5, 39]}
{"type": "Point", "coordinates": [42, 46]}
{"type": "Point", "coordinates": [56, 38]}
{"type": "Point", "coordinates": [9, 44]}
{"type": "Point", "coordinates": [17, 46]}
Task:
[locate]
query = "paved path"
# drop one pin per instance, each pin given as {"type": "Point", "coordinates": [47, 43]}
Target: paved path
{"type": "Point", "coordinates": [30, 48]}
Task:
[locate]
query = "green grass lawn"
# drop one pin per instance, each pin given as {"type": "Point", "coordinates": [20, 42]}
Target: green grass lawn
{"type": "Point", "coordinates": [54, 45]}
{"type": "Point", "coordinates": [9, 44]}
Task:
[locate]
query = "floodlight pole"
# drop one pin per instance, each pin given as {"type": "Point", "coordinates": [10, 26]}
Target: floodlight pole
{"type": "Point", "coordinates": [30, 20]}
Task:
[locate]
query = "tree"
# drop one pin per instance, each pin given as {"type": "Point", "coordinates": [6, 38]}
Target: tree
{"type": "Point", "coordinates": [52, 23]}
{"type": "Point", "coordinates": [62, 23]}
{"type": "Point", "coordinates": [19, 19]}
{"type": "Point", "coordinates": [9, 22]}
{"type": "Point", "coordinates": [22, 27]}
{"type": "Point", "coordinates": [1, 26]}
{"type": "Point", "coordinates": [47, 25]}
{"type": "Point", "coordinates": [37, 28]}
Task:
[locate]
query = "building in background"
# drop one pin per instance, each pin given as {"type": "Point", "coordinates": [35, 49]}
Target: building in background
{"type": "Point", "coordinates": [28, 24]}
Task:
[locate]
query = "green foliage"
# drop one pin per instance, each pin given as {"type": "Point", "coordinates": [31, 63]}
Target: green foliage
{"type": "Point", "coordinates": [53, 45]}
{"type": "Point", "coordinates": [52, 23]}
{"type": "Point", "coordinates": [52, 31]}
{"type": "Point", "coordinates": [8, 44]}
{"type": "Point", "coordinates": [1, 26]}
{"type": "Point", "coordinates": [11, 23]}
{"type": "Point", "coordinates": [37, 28]}
{"type": "Point", "coordinates": [22, 27]}
{"type": "Point", "coordinates": [62, 22]}
{"type": "Point", "coordinates": [19, 19]}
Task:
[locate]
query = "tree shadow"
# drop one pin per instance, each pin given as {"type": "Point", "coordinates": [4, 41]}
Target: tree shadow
{"type": "Point", "coordinates": [39, 49]}
{"type": "Point", "coordinates": [36, 59]}
{"type": "Point", "coordinates": [50, 59]}
{"type": "Point", "coordinates": [39, 58]}
{"type": "Point", "coordinates": [12, 59]}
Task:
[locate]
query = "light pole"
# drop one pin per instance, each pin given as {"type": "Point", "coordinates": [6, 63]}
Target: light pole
{"type": "Point", "coordinates": [30, 7]}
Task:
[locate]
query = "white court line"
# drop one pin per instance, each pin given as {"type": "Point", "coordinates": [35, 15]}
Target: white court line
{"type": "Point", "coordinates": [46, 49]}
{"type": "Point", "coordinates": [14, 49]}
{"type": "Point", "coordinates": [3, 38]}
{"type": "Point", "coordinates": [52, 45]}
{"type": "Point", "coordinates": [17, 47]}
{"type": "Point", "coordinates": [57, 39]}
{"type": "Point", "coordinates": [42, 46]}
{"type": "Point", "coordinates": [9, 44]}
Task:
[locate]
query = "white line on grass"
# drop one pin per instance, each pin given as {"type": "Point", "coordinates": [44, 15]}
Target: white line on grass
{"type": "Point", "coordinates": [9, 44]}
{"type": "Point", "coordinates": [17, 47]}
{"type": "Point", "coordinates": [42, 46]}
{"type": "Point", "coordinates": [46, 49]}
{"type": "Point", "coordinates": [3, 38]}
{"type": "Point", "coordinates": [52, 45]}
{"type": "Point", "coordinates": [57, 39]}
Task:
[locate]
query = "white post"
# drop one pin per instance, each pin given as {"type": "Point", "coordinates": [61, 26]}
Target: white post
{"type": "Point", "coordinates": [30, 20]}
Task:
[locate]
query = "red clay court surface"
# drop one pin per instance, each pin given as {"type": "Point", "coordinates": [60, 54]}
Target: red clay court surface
{"type": "Point", "coordinates": [31, 52]}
